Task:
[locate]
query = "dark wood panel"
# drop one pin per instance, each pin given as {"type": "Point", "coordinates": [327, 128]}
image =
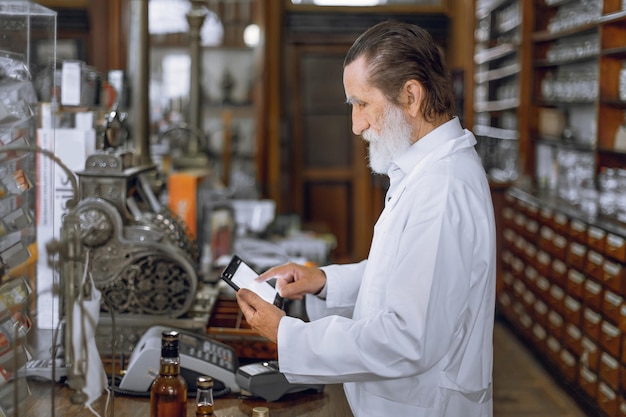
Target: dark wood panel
{"type": "Point", "coordinates": [328, 208]}
{"type": "Point", "coordinates": [327, 141]}
{"type": "Point", "coordinates": [322, 84]}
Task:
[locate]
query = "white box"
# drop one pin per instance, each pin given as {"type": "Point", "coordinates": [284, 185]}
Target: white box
{"type": "Point", "coordinates": [72, 147]}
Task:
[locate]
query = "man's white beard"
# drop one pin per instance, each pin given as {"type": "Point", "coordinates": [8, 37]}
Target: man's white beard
{"type": "Point", "coordinates": [392, 141]}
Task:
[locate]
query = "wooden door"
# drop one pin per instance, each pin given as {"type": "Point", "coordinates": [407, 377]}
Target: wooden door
{"type": "Point", "coordinates": [332, 186]}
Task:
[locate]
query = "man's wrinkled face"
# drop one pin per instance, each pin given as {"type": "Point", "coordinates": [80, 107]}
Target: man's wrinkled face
{"type": "Point", "coordinates": [382, 124]}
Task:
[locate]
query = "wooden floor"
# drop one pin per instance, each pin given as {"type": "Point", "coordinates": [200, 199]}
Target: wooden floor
{"type": "Point", "coordinates": [522, 386]}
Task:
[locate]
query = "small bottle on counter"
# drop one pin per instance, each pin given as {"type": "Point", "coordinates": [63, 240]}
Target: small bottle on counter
{"type": "Point", "coordinates": [260, 412]}
{"type": "Point", "coordinates": [204, 396]}
{"type": "Point", "coordinates": [168, 393]}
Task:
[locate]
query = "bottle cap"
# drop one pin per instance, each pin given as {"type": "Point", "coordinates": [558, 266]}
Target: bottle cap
{"type": "Point", "coordinates": [260, 412]}
{"type": "Point", "coordinates": [169, 344]}
{"type": "Point", "coordinates": [204, 382]}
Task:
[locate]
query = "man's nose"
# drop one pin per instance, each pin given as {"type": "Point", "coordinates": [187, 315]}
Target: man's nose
{"type": "Point", "coordinates": [359, 122]}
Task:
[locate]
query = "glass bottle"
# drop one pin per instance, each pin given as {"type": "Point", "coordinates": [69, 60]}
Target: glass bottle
{"type": "Point", "coordinates": [168, 393]}
{"type": "Point", "coordinates": [204, 396]}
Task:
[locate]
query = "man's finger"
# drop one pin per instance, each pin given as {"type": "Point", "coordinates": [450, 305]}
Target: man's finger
{"type": "Point", "coordinates": [244, 295]}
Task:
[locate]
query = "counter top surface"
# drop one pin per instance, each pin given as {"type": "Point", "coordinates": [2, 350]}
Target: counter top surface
{"type": "Point", "coordinates": [41, 402]}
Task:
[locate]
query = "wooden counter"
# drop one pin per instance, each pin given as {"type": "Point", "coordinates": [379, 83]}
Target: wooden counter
{"type": "Point", "coordinates": [331, 402]}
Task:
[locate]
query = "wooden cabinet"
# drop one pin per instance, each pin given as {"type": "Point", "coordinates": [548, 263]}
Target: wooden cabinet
{"type": "Point", "coordinates": [578, 54]}
{"type": "Point", "coordinates": [563, 290]}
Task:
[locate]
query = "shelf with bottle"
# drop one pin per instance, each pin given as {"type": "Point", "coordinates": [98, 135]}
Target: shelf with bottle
{"type": "Point", "coordinates": [484, 8]}
{"type": "Point", "coordinates": [612, 97]}
{"type": "Point", "coordinates": [497, 81]}
{"type": "Point", "coordinates": [566, 81]}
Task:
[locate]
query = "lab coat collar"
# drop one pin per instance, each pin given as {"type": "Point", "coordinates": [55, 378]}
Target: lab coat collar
{"type": "Point", "coordinates": [442, 141]}
{"type": "Point", "coordinates": [431, 142]}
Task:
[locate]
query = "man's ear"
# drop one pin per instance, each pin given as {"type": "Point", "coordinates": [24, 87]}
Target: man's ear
{"type": "Point", "coordinates": [414, 92]}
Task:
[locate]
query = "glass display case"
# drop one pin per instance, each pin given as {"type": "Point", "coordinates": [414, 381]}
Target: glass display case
{"type": "Point", "coordinates": [27, 60]}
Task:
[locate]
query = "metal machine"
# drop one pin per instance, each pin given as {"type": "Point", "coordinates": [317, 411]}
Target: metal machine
{"type": "Point", "coordinates": [142, 259]}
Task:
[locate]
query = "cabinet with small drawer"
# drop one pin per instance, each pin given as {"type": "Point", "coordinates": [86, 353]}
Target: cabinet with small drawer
{"type": "Point", "coordinates": [567, 282]}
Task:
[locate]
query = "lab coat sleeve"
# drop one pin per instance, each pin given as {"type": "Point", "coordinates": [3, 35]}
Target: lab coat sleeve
{"type": "Point", "coordinates": [342, 287]}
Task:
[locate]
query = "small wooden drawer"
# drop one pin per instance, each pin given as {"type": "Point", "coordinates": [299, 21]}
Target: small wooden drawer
{"type": "Point", "coordinates": [526, 323]}
{"type": "Point", "coordinates": [532, 211]}
{"type": "Point", "coordinates": [568, 365]}
{"type": "Point", "coordinates": [591, 353]}
{"type": "Point", "coordinates": [506, 305]}
{"type": "Point", "coordinates": [557, 298]}
{"type": "Point", "coordinates": [607, 399]}
{"type": "Point", "coordinates": [575, 283]}
{"type": "Point", "coordinates": [610, 338]}
{"type": "Point", "coordinates": [576, 255]}
{"type": "Point", "coordinates": [596, 238]}
{"type": "Point", "coordinates": [595, 265]}
{"type": "Point", "coordinates": [553, 348]}
{"type": "Point", "coordinates": [609, 370]}
{"type": "Point", "coordinates": [530, 252]}
{"type": "Point", "coordinates": [539, 336]}
{"type": "Point", "coordinates": [572, 311]}
{"type": "Point", "coordinates": [519, 222]}
{"type": "Point", "coordinates": [540, 312]}
{"type": "Point", "coordinates": [615, 247]}
{"type": "Point", "coordinates": [519, 246]}
{"type": "Point", "coordinates": [508, 236]}
{"type": "Point", "coordinates": [572, 339]}
{"type": "Point", "coordinates": [546, 215]}
{"type": "Point", "coordinates": [546, 234]}
{"type": "Point", "coordinates": [559, 272]}
{"type": "Point", "coordinates": [591, 323]}
{"type": "Point", "coordinates": [613, 275]}
{"type": "Point", "coordinates": [544, 263]}
{"type": "Point", "coordinates": [518, 308]}
{"type": "Point", "coordinates": [532, 228]}
{"type": "Point", "coordinates": [611, 308]}
{"type": "Point", "coordinates": [517, 267]}
{"type": "Point", "coordinates": [578, 231]}
{"type": "Point", "coordinates": [559, 246]}
{"type": "Point", "coordinates": [543, 287]}
{"type": "Point", "coordinates": [592, 295]}
{"type": "Point", "coordinates": [528, 298]}
{"type": "Point", "coordinates": [519, 288]}
{"type": "Point", "coordinates": [555, 324]}
{"type": "Point", "coordinates": [531, 277]}
{"type": "Point", "coordinates": [508, 214]}
{"type": "Point", "coordinates": [560, 223]}
{"type": "Point", "coordinates": [588, 381]}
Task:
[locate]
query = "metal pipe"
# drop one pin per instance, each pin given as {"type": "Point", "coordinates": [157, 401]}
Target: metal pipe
{"type": "Point", "coordinates": [195, 18]}
{"type": "Point", "coordinates": [139, 75]}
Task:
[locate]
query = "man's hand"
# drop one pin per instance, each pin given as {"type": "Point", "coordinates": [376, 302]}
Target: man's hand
{"type": "Point", "coordinates": [293, 281]}
{"type": "Point", "coordinates": [262, 316]}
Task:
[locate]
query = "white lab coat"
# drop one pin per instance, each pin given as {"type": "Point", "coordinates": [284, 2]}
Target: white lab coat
{"type": "Point", "coordinates": [409, 330]}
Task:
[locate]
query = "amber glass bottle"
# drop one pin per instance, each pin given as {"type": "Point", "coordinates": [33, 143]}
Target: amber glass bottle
{"type": "Point", "coordinates": [204, 396]}
{"type": "Point", "coordinates": [168, 393]}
